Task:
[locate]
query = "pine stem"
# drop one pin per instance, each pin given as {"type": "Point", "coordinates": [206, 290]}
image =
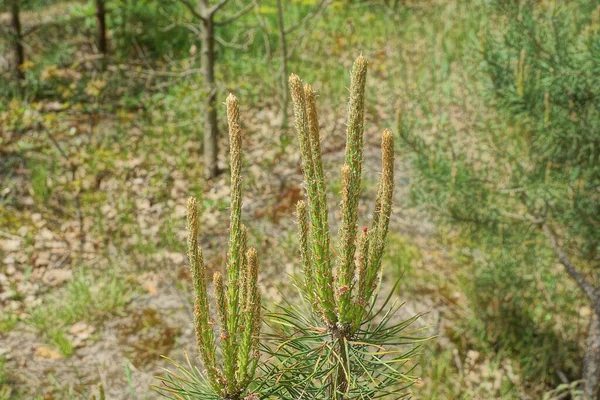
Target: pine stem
{"type": "Point", "coordinates": [340, 380]}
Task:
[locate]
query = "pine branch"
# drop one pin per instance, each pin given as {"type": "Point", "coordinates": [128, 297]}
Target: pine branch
{"type": "Point", "coordinates": [381, 218]}
{"type": "Point", "coordinates": [590, 291]}
{"type": "Point", "coordinates": [234, 257]}
{"type": "Point", "coordinates": [321, 252]}
{"type": "Point", "coordinates": [312, 14]}
{"type": "Point", "coordinates": [238, 301]}
{"type": "Point", "coordinates": [205, 339]}
{"type": "Point", "coordinates": [237, 15]}
{"type": "Point", "coordinates": [198, 14]}
{"type": "Point", "coordinates": [351, 182]}
{"type": "Point", "coordinates": [217, 7]}
{"type": "Point", "coordinates": [325, 361]}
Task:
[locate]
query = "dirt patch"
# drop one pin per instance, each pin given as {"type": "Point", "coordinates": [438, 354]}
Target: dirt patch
{"type": "Point", "coordinates": [144, 337]}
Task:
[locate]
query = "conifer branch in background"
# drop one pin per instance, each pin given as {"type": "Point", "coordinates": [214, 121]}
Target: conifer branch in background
{"type": "Point", "coordinates": [320, 229]}
{"type": "Point", "coordinates": [531, 160]}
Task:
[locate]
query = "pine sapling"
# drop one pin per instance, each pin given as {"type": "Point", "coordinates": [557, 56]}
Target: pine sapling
{"type": "Point", "coordinates": [342, 295]}
{"type": "Point", "coordinates": [237, 302]}
{"type": "Point", "coordinates": [341, 286]}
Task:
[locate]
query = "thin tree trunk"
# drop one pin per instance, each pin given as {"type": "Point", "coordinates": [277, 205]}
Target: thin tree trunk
{"type": "Point", "coordinates": [284, 67]}
{"type": "Point", "coordinates": [342, 378]}
{"type": "Point", "coordinates": [101, 26]}
{"type": "Point", "coordinates": [339, 380]}
{"type": "Point", "coordinates": [18, 40]}
{"type": "Point", "coordinates": [210, 122]}
{"type": "Point", "coordinates": [591, 362]}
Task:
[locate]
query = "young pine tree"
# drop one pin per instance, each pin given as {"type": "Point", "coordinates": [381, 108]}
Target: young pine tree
{"type": "Point", "coordinates": [345, 348]}
{"type": "Point", "coordinates": [228, 375]}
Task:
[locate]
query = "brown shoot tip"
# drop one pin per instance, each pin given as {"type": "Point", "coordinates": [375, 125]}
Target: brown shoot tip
{"type": "Point", "coordinates": [300, 205]}
{"type": "Point", "coordinates": [251, 254]}
{"type": "Point", "coordinates": [308, 90]}
{"type": "Point", "coordinates": [232, 108]}
{"type": "Point", "coordinates": [192, 203]}
{"type": "Point", "coordinates": [192, 214]}
{"type": "Point", "coordinates": [297, 89]}
{"type": "Point", "coordinates": [387, 140]}
{"type": "Point", "coordinates": [360, 62]}
{"type": "Point", "coordinates": [231, 98]}
{"type": "Point", "coordinates": [345, 173]}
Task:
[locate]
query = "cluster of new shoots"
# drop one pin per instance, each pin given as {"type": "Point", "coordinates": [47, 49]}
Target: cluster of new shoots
{"type": "Point", "coordinates": [349, 350]}
{"type": "Point", "coordinates": [238, 300]}
{"type": "Point", "coordinates": [341, 284]}
{"type": "Point", "coordinates": [344, 348]}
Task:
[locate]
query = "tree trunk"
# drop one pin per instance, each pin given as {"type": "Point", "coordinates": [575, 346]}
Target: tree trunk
{"type": "Point", "coordinates": [284, 67]}
{"type": "Point", "coordinates": [342, 374]}
{"type": "Point", "coordinates": [210, 110]}
{"type": "Point", "coordinates": [591, 362]}
{"type": "Point", "coordinates": [339, 380]}
{"type": "Point", "coordinates": [101, 26]}
{"type": "Point", "coordinates": [18, 40]}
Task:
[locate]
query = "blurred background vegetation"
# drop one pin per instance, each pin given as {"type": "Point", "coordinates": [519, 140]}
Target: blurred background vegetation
{"type": "Point", "coordinates": [103, 135]}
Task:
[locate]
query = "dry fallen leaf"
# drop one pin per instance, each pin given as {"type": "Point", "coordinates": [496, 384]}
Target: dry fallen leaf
{"type": "Point", "coordinates": [80, 332]}
{"type": "Point", "coordinates": [150, 282]}
{"type": "Point", "coordinates": [47, 353]}
{"type": "Point", "coordinates": [81, 328]}
{"type": "Point", "coordinates": [55, 277]}
{"type": "Point", "coordinates": [43, 258]}
{"type": "Point", "coordinates": [10, 245]}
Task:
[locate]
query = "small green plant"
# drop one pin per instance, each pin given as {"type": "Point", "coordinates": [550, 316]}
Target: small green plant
{"type": "Point", "coordinates": [101, 394]}
{"type": "Point", "coordinates": [237, 301]}
{"type": "Point", "coordinates": [39, 177]}
{"type": "Point", "coordinates": [404, 256]}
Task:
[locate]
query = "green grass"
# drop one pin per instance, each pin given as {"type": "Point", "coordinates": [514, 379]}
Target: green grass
{"type": "Point", "coordinates": [85, 298]}
{"type": "Point", "coordinates": [8, 320]}
{"type": "Point", "coordinates": [39, 178]}
{"type": "Point", "coordinates": [404, 257]}
{"type": "Point", "coordinates": [7, 391]}
{"type": "Point", "coordinates": [512, 329]}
